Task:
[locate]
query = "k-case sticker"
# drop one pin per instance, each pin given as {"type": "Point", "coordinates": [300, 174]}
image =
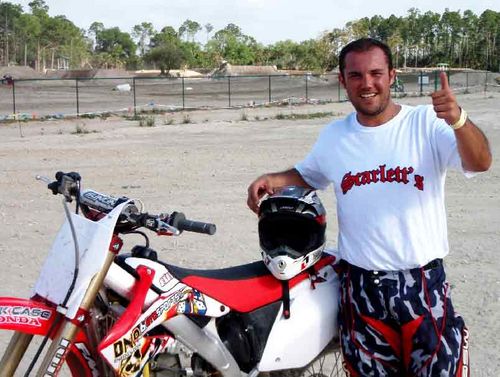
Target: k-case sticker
{"type": "Point", "coordinates": [24, 315]}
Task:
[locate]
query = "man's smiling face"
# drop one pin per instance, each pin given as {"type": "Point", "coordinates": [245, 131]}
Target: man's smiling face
{"type": "Point", "coordinates": [367, 80]}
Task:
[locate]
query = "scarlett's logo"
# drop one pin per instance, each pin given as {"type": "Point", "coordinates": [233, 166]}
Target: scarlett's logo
{"type": "Point", "coordinates": [382, 175]}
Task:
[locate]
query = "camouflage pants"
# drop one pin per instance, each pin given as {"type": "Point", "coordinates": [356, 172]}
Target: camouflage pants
{"type": "Point", "coordinates": [401, 323]}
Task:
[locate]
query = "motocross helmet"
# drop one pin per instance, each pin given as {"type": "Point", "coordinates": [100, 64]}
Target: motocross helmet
{"type": "Point", "coordinates": [292, 224]}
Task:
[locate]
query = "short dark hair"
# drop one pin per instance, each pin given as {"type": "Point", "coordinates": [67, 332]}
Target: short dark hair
{"type": "Point", "coordinates": [363, 45]}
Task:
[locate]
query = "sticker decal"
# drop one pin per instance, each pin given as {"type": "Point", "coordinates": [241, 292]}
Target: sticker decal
{"type": "Point", "coordinates": [57, 361]}
{"type": "Point", "coordinates": [194, 304]}
{"type": "Point", "coordinates": [165, 278]}
{"type": "Point", "coordinates": [88, 358]}
{"type": "Point", "coordinates": [24, 315]}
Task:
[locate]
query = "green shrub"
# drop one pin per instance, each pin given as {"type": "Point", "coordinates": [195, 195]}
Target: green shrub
{"type": "Point", "coordinates": [147, 122]}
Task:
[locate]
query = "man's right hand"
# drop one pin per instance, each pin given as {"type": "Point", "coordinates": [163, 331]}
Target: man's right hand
{"type": "Point", "coordinates": [257, 189]}
{"type": "Point", "coordinates": [268, 183]}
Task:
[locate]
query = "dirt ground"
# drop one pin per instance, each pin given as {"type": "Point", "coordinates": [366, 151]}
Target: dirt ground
{"type": "Point", "coordinates": [201, 163]}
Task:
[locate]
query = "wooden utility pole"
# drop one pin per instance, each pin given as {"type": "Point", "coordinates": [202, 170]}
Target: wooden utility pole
{"type": "Point", "coordinates": [6, 63]}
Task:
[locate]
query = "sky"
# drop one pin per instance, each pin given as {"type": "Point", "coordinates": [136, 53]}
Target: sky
{"type": "Point", "coordinates": [268, 21]}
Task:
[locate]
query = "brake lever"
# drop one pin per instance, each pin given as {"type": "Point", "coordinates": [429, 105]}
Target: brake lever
{"type": "Point", "coordinates": [165, 229]}
{"type": "Point", "coordinates": [156, 224]}
{"type": "Point", "coordinates": [43, 178]}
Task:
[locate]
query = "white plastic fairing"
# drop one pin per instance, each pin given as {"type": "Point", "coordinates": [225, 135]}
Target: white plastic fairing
{"type": "Point", "coordinates": [162, 279]}
{"type": "Point", "coordinates": [295, 341]}
{"type": "Point", "coordinates": [57, 272]}
{"type": "Point", "coordinates": [123, 283]}
{"type": "Point", "coordinates": [168, 283]}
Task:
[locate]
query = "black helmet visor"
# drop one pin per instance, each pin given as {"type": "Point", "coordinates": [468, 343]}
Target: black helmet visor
{"type": "Point", "coordinates": [295, 231]}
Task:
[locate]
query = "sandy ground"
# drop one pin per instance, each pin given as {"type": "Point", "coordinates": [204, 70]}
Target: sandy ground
{"type": "Point", "coordinates": [203, 169]}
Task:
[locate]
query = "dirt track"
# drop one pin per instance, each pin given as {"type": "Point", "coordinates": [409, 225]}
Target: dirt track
{"type": "Point", "coordinates": [203, 169]}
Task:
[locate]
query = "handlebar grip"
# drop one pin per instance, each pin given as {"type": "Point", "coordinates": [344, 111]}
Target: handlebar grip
{"type": "Point", "coordinates": [196, 226]}
{"type": "Point", "coordinates": [178, 220]}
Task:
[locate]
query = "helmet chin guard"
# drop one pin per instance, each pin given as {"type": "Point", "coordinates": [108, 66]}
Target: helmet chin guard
{"type": "Point", "coordinates": [284, 267]}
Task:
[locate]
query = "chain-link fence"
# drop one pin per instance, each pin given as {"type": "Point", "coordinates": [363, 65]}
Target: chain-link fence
{"type": "Point", "coordinates": [59, 98]}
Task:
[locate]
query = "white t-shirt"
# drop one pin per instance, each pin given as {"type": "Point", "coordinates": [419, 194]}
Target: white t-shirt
{"type": "Point", "coordinates": [389, 183]}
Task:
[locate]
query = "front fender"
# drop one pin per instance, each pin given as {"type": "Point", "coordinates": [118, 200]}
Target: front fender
{"type": "Point", "coordinates": [25, 315]}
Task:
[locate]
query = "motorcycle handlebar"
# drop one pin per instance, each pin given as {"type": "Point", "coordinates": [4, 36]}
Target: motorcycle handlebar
{"type": "Point", "coordinates": [179, 221]}
{"type": "Point", "coordinates": [65, 184]}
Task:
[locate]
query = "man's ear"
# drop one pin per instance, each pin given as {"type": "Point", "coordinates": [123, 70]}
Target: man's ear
{"type": "Point", "coordinates": [341, 79]}
{"type": "Point", "coordinates": [392, 76]}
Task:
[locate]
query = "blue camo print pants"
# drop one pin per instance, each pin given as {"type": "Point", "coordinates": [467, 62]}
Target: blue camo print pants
{"type": "Point", "coordinates": [400, 323]}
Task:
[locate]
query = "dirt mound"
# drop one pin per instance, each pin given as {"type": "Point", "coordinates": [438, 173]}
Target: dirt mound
{"type": "Point", "coordinates": [109, 73]}
{"type": "Point", "coordinates": [20, 72]}
{"type": "Point", "coordinates": [71, 74]}
{"type": "Point", "coordinates": [227, 69]}
{"type": "Point", "coordinates": [87, 73]}
{"type": "Point", "coordinates": [171, 73]}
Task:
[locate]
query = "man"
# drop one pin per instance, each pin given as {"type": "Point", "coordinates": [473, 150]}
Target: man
{"type": "Point", "coordinates": [387, 163]}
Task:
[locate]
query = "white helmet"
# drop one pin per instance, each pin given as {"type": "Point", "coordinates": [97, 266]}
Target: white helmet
{"type": "Point", "coordinates": [292, 224]}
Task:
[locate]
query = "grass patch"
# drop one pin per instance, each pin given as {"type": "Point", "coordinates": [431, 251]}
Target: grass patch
{"type": "Point", "coordinates": [133, 117]}
{"type": "Point", "coordinates": [103, 116]}
{"type": "Point", "coordinates": [88, 116]}
{"type": "Point", "coordinates": [147, 121]}
{"type": "Point", "coordinates": [81, 130]}
{"type": "Point", "coordinates": [154, 110]}
{"type": "Point", "coordinates": [168, 121]}
{"type": "Point", "coordinates": [243, 116]}
{"type": "Point", "coordinates": [293, 116]}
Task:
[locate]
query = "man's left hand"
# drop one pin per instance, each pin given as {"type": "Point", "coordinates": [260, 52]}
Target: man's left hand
{"type": "Point", "coordinates": [444, 102]}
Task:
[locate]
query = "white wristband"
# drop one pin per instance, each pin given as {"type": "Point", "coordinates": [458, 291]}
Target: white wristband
{"type": "Point", "coordinates": [461, 121]}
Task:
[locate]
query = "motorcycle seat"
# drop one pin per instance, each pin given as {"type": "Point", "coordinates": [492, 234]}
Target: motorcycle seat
{"type": "Point", "coordinates": [242, 288]}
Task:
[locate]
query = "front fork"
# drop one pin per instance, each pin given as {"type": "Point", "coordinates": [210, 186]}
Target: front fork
{"type": "Point", "coordinates": [58, 350]}
{"type": "Point", "coordinates": [63, 338]}
{"type": "Point", "coordinates": [14, 353]}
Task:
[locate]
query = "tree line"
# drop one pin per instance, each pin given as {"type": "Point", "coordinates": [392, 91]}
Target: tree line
{"type": "Point", "coordinates": [34, 38]}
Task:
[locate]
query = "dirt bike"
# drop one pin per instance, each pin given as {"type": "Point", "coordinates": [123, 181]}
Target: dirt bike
{"type": "Point", "coordinates": [130, 314]}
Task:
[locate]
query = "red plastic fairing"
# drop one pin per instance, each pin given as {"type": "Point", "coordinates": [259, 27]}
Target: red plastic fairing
{"type": "Point", "coordinates": [247, 295]}
{"type": "Point", "coordinates": [25, 315]}
{"type": "Point", "coordinates": [34, 317]}
{"type": "Point", "coordinates": [134, 310]}
{"type": "Point", "coordinates": [81, 362]}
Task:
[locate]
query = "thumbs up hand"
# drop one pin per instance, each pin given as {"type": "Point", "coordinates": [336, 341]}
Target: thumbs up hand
{"type": "Point", "coordinates": [444, 102]}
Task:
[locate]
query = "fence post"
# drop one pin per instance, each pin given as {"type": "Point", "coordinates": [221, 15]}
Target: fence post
{"type": "Point", "coordinates": [270, 94]}
{"type": "Point", "coordinates": [421, 83]}
{"type": "Point", "coordinates": [307, 89]}
{"type": "Point", "coordinates": [135, 100]}
{"type": "Point", "coordinates": [467, 82]}
{"type": "Point", "coordinates": [338, 91]}
{"type": "Point", "coordinates": [436, 80]}
{"type": "Point", "coordinates": [183, 94]}
{"type": "Point", "coordinates": [77, 99]}
{"type": "Point", "coordinates": [486, 82]}
{"type": "Point", "coordinates": [13, 96]}
{"type": "Point", "coordinates": [229, 89]}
